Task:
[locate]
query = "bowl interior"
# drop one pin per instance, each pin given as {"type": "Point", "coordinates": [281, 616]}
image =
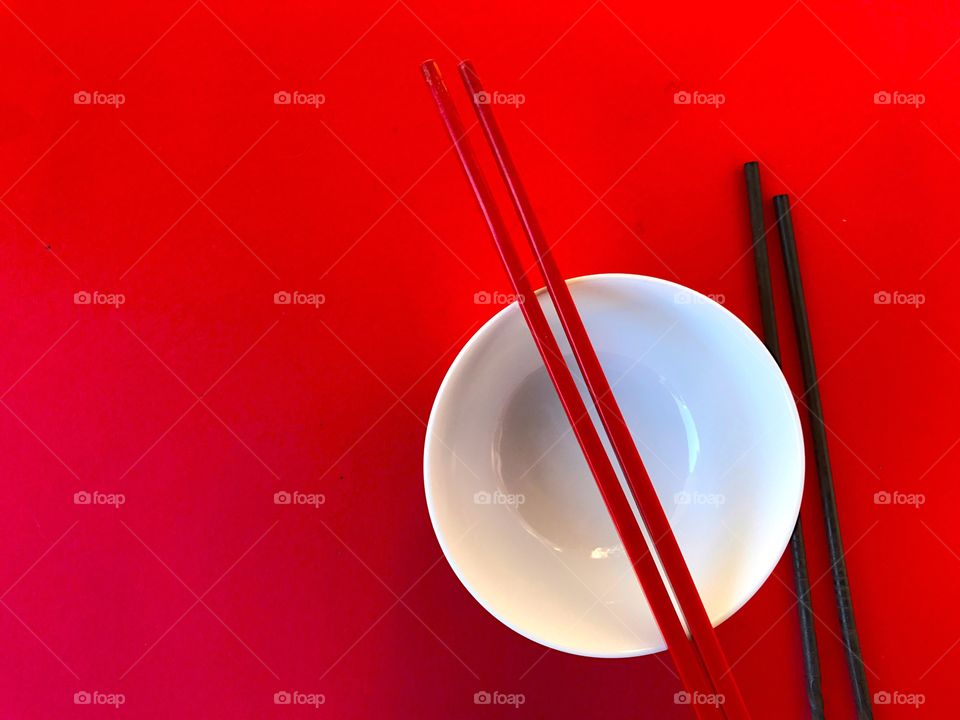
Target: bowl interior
{"type": "Point", "coordinates": [517, 512]}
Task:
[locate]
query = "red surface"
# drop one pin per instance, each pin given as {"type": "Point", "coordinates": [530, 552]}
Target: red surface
{"type": "Point", "coordinates": [200, 398]}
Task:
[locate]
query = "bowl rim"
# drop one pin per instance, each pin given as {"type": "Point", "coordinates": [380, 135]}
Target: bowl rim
{"type": "Point", "coordinates": [487, 328]}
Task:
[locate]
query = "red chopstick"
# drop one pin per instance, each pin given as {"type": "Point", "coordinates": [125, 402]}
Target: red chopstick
{"type": "Point", "coordinates": [692, 673]}
{"type": "Point", "coordinates": [624, 447]}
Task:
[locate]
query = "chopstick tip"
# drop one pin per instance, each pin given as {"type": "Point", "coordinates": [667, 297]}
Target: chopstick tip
{"type": "Point", "coordinates": [469, 76]}
{"type": "Point", "coordinates": [431, 71]}
{"type": "Point", "coordinates": [781, 206]}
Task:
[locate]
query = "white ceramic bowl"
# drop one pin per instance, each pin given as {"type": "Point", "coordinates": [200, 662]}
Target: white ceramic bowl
{"type": "Point", "coordinates": [517, 512]}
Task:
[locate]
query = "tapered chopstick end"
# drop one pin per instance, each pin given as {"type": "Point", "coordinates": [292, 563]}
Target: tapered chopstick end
{"type": "Point", "coordinates": [782, 204]}
{"type": "Point", "coordinates": [431, 72]}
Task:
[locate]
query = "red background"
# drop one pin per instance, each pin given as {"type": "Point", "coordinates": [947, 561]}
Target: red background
{"type": "Point", "coordinates": [199, 398]}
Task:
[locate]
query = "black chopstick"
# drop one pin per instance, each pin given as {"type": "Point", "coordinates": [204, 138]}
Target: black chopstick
{"type": "Point", "coordinates": [841, 584]}
{"type": "Point", "coordinates": [808, 637]}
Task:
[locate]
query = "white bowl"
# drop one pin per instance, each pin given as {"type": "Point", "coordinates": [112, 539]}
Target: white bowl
{"type": "Point", "coordinates": [518, 514]}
